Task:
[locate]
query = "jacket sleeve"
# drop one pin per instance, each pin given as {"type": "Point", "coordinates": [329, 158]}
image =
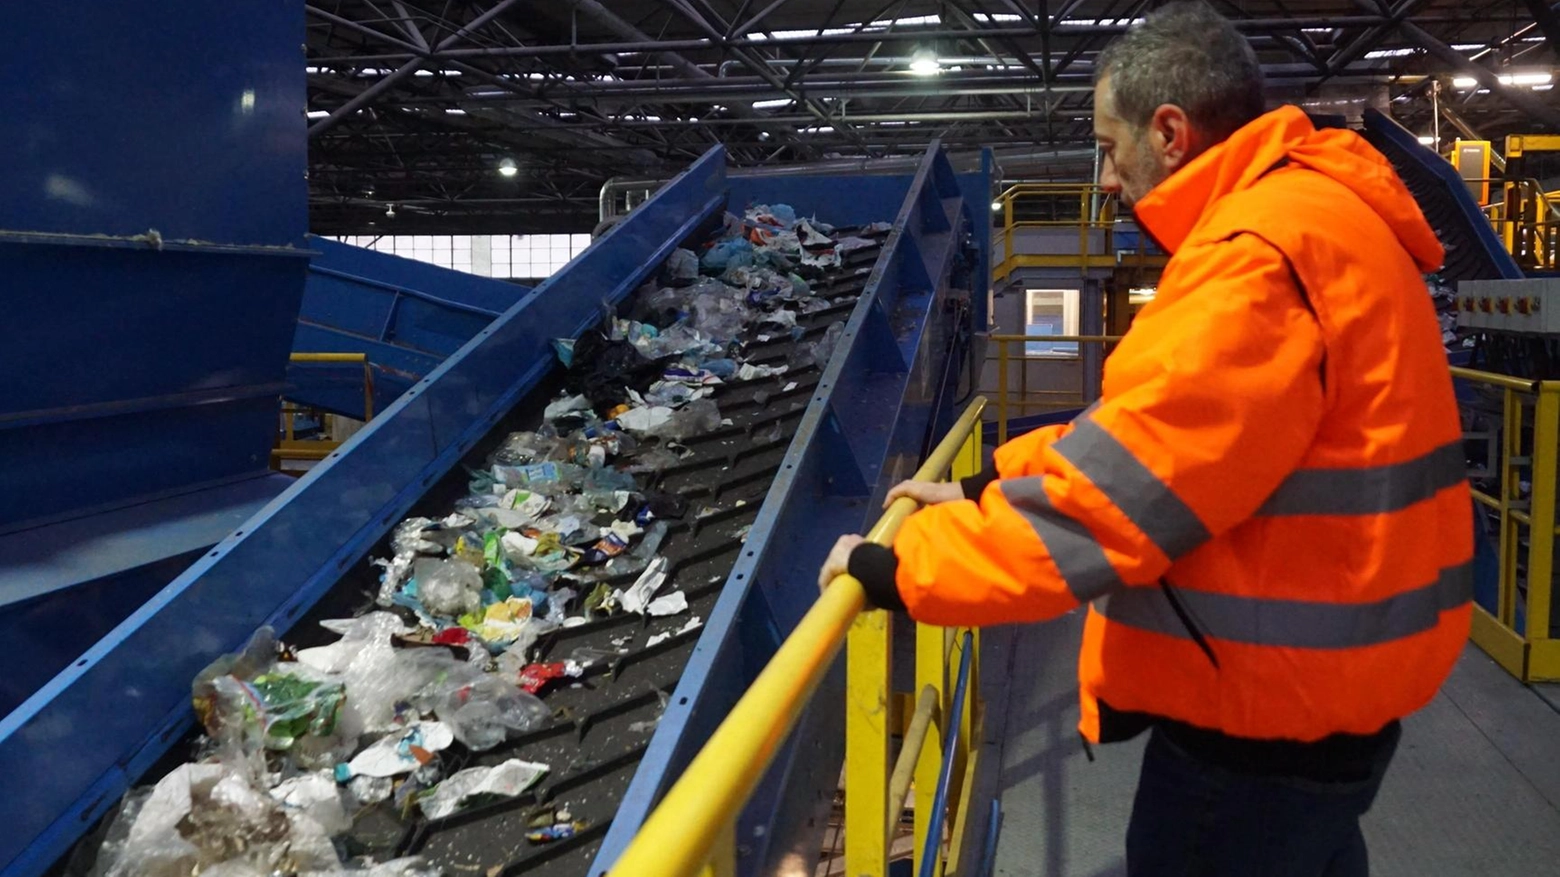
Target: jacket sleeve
{"type": "Point", "coordinates": [1223, 396]}
{"type": "Point", "coordinates": [1012, 459]}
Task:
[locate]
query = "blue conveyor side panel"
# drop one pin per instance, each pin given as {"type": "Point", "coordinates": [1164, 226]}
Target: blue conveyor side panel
{"type": "Point", "coordinates": [863, 431]}
{"type": "Point", "coordinates": [406, 316]}
{"type": "Point", "coordinates": [80, 741]}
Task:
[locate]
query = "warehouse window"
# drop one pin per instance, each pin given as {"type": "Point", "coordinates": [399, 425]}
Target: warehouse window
{"type": "Point", "coordinates": [1051, 312]}
{"type": "Point", "coordinates": [519, 257]}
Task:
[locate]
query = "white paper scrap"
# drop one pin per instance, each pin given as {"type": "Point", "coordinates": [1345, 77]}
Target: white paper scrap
{"type": "Point", "coordinates": [639, 595]}
{"type": "Point", "coordinates": [671, 604]}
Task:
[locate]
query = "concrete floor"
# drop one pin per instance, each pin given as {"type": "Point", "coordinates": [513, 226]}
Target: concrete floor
{"type": "Point", "coordinates": [1474, 790]}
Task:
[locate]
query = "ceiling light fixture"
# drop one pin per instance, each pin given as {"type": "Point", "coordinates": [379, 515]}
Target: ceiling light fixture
{"type": "Point", "coordinates": [1426, 140]}
{"type": "Point", "coordinates": [1530, 80]}
{"type": "Point", "coordinates": [924, 63]}
{"type": "Point", "coordinates": [507, 168]}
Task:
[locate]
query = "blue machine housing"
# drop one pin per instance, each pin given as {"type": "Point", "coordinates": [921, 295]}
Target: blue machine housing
{"type": "Point", "coordinates": [83, 738]}
{"type": "Point", "coordinates": [405, 316]}
{"type": "Point", "coordinates": [151, 250]}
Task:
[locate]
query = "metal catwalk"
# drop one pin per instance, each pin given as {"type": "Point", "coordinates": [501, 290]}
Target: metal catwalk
{"type": "Point", "coordinates": [1474, 790]}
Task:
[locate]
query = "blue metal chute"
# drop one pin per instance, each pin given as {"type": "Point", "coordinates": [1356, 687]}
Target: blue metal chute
{"type": "Point", "coordinates": [863, 432]}
{"type": "Point", "coordinates": [405, 316]}
{"type": "Point", "coordinates": [1473, 250]}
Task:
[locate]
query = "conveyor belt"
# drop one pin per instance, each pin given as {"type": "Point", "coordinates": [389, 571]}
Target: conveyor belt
{"type": "Point", "coordinates": [603, 724]}
{"type": "Point", "coordinates": [1473, 252]}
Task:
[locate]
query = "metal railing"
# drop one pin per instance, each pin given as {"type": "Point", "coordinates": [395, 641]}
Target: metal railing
{"type": "Point", "coordinates": [693, 830]}
{"type": "Point", "coordinates": [1527, 218]}
{"type": "Point", "coordinates": [1517, 485]}
{"type": "Point", "coordinates": [288, 446]}
{"type": "Point", "coordinates": [1089, 363]}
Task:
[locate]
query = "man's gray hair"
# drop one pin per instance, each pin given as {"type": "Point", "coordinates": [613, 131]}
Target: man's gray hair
{"type": "Point", "coordinates": [1187, 55]}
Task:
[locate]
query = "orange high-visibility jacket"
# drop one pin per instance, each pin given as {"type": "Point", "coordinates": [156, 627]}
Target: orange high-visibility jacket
{"type": "Point", "coordinates": [1267, 510]}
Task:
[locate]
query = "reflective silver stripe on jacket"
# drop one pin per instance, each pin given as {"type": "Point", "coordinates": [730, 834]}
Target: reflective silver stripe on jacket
{"type": "Point", "coordinates": [1369, 490]}
{"type": "Point", "coordinates": [1077, 555]}
{"type": "Point", "coordinates": [1293, 623]}
{"type": "Point", "coordinates": [1140, 494]}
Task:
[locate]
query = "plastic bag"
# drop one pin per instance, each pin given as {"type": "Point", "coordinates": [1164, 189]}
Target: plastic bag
{"type": "Point", "coordinates": [316, 796]}
{"type": "Point", "coordinates": [407, 867]}
{"type": "Point", "coordinates": [483, 712]}
{"type": "Point", "coordinates": [819, 352]}
{"type": "Point", "coordinates": [209, 818]}
{"type": "Point", "coordinates": [728, 253]}
{"type": "Point", "coordinates": [682, 265]}
{"type": "Point", "coordinates": [507, 780]}
{"type": "Point", "coordinates": [246, 701]}
{"type": "Point", "coordinates": [448, 588]}
{"type": "Point", "coordinates": [697, 418]}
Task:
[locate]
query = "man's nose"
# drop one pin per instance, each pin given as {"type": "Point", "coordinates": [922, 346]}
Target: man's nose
{"type": "Point", "coordinates": [1108, 179]}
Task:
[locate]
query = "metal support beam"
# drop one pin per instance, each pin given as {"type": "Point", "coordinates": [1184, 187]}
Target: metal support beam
{"type": "Point", "coordinates": [1537, 109]}
{"type": "Point", "coordinates": [758, 17]}
{"type": "Point", "coordinates": [1545, 18]}
{"type": "Point", "coordinates": [372, 93]}
{"type": "Point", "coordinates": [622, 28]}
{"type": "Point", "coordinates": [757, 65]}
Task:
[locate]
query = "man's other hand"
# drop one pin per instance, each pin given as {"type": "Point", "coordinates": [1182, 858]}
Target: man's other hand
{"type": "Point", "coordinates": [926, 492]}
{"type": "Point", "coordinates": [838, 562]}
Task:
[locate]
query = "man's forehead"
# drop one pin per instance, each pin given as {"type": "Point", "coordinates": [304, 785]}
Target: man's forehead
{"type": "Point", "coordinates": [1104, 109]}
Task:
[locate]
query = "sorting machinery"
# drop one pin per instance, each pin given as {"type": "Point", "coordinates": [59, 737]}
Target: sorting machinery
{"type": "Point", "coordinates": [161, 274]}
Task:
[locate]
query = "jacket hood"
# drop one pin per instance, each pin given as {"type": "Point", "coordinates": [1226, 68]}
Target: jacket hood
{"type": "Point", "coordinates": [1173, 209]}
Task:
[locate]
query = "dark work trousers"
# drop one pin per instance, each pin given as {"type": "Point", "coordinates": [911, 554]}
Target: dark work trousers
{"type": "Point", "coordinates": [1195, 819]}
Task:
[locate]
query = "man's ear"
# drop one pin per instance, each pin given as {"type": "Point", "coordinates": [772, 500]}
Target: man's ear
{"type": "Point", "coordinates": [1170, 132]}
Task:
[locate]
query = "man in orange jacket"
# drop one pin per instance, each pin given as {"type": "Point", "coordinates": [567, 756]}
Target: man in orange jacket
{"type": "Point", "coordinates": [1266, 511]}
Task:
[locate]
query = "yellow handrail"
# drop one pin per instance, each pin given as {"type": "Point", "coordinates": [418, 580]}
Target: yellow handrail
{"type": "Point", "coordinates": [328, 357]}
{"type": "Point", "coordinates": [696, 817]}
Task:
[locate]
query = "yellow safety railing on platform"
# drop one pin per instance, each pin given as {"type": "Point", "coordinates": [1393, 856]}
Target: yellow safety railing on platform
{"type": "Point", "coordinates": [289, 447]}
{"type": "Point", "coordinates": [1525, 468]}
{"type": "Point", "coordinates": [1024, 400]}
{"type": "Point", "coordinates": [693, 830]}
{"type": "Point", "coordinates": [1056, 206]}
{"type": "Point", "coordinates": [1031, 206]}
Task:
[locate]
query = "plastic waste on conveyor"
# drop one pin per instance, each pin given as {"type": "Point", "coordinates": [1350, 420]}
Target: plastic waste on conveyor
{"type": "Point", "coordinates": [602, 721]}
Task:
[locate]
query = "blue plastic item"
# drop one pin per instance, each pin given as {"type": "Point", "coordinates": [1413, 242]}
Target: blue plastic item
{"type": "Point", "coordinates": [727, 254]}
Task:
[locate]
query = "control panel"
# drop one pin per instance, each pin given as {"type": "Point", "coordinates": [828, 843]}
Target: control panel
{"type": "Point", "coordinates": [1529, 307]}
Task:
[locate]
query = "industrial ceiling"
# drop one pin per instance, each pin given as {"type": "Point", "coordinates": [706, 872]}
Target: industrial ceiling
{"type": "Point", "coordinates": [508, 115]}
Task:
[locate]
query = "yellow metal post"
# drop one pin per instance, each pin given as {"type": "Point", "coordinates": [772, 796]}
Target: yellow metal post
{"type": "Point", "coordinates": [931, 669]}
{"type": "Point", "coordinates": [1541, 533]}
{"type": "Point", "coordinates": [867, 668]}
{"type": "Point", "coordinates": [1510, 487]}
{"type": "Point", "coordinates": [1002, 389]}
{"type": "Point", "coordinates": [922, 721]}
{"type": "Point", "coordinates": [1023, 381]}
